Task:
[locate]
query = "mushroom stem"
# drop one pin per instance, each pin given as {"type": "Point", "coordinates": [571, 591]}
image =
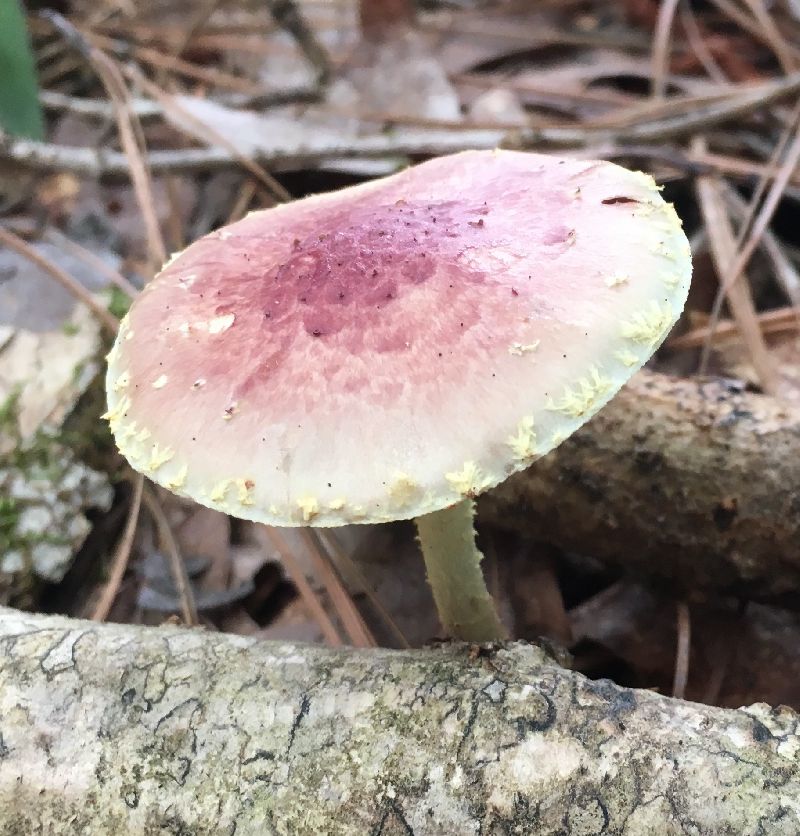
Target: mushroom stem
{"type": "Point", "coordinates": [466, 609]}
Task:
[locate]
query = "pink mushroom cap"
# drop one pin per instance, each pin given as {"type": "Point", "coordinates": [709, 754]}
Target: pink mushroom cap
{"type": "Point", "coordinates": [386, 350]}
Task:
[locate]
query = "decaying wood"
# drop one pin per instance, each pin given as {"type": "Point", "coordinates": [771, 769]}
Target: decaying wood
{"type": "Point", "coordinates": [696, 482]}
{"type": "Point", "coordinates": [121, 729]}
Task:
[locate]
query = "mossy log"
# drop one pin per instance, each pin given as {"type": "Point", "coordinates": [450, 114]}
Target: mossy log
{"type": "Point", "coordinates": [121, 729]}
{"type": "Point", "coordinates": [693, 482]}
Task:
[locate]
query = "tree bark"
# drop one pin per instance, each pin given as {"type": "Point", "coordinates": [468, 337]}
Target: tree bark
{"type": "Point", "coordinates": [692, 482]}
{"type": "Point", "coordinates": [121, 729]}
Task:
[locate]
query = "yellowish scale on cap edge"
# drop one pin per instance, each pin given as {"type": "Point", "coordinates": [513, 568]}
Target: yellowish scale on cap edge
{"type": "Point", "coordinates": [309, 507]}
{"type": "Point", "coordinates": [469, 481]}
{"type": "Point", "coordinates": [577, 401]}
{"type": "Point", "coordinates": [122, 381]}
{"type": "Point", "coordinates": [626, 357]}
{"type": "Point", "coordinates": [178, 480]}
{"type": "Point", "coordinates": [158, 457]}
{"type": "Point", "coordinates": [523, 444]}
{"type": "Point", "coordinates": [403, 489]}
{"type": "Point", "coordinates": [219, 490]}
{"type": "Point", "coordinates": [245, 491]}
{"type": "Point", "coordinates": [649, 326]}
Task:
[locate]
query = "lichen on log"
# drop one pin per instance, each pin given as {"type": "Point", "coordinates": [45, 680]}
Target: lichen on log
{"type": "Point", "coordinates": [122, 729]}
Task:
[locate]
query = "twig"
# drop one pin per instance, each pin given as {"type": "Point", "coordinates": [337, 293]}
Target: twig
{"type": "Point", "coordinates": [684, 629]}
{"type": "Point", "coordinates": [114, 276]}
{"type": "Point", "coordinates": [741, 168]}
{"type": "Point", "coordinates": [122, 555]}
{"type": "Point", "coordinates": [723, 250]}
{"type": "Point", "coordinates": [767, 35]}
{"type": "Point", "coordinates": [661, 37]}
{"type": "Point", "coordinates": [145, 109]}
{"type": "Point", "coordinates": [214, 136]}
{"type": "Point", "coordinates": [158, 59]}
{"type": "Point", "coordinates": [771, 202]}
{"type": "Point", "coordinates": [242, 203]}
{"type": "Point", "coordinates": [307, 594]}
{"type": "Point", "coordinates": [787, 57]}
{"type": "Point", "coordinates": [199, 20]}
{"type": "Point", "coordinates": [740, 260]}
{"type": "Point", "coordinates": [695, 38]}
{"type": "Point", "coordinates": [101, 162]}
{"type": "Point", "coordinates": [15, 243]}
{"type": "Point", "coordinates": [770, 322]}
{"type": "Point", "coordinates": [352, 621]}
{"type": "Point", "coordinates": [334, 546]}
{"type": "Point", "coordinates": [287, 16]}
{"type": "Point", "coordinates": [130, 133]}
{"type": "Point", "coordinates": [786, 274]}
{"type": "Point", "coordinates": [768, 176]}
{"type": "Point", "coordinates": [740, 102]}
{"type": "Point", "coordinates": [180, 578]}
{"type": "Point", "coordinates": [96, 108]}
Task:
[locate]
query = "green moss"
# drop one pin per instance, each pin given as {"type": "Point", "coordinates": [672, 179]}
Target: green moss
{"type": "Point", "coordinates": [9, 517]}
{"type": "Point", "coordinates": [86, 434]}
{"type": "Point", "coordinates": [45, 457]}
{"type": "Point", "coordinates": [119, 302]}
{"type": "Point", "coordinates": [8, 412]}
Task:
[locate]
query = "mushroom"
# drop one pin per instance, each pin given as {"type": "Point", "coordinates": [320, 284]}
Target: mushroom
{"type": "Point", "coordinates": [392, 350]}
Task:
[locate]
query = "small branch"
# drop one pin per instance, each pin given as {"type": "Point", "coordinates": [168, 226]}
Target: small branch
{"type": "Point", "coordinates": [733, 285]}
{"type": "Point", "coordinates": [130, 132]}
{"type": "Point", "coordinates": [16, 244]}
{"type": "Point", "coordinates": [272, 537]}
{"type": "Point", "coordinates": [122, 555]}
{"type": "Point", "coordinates": [145, 109]}
{"type": "Point", "coordinates": [180, 577]}
{"type": "Point", "coordinates": [683, 645]}
{"type": "Point", "coordinates": [661, 52]}
{"type": "Point", "coordinates": [104, 162]}
{"type": "Point", "coordinates": [687, 482]}
{"type": "Point", "coordinates": [325, 572]}
{"type": "Point", "coordinates": [123, 729]}
{"type": "Point", "coordinates": [286, 14]}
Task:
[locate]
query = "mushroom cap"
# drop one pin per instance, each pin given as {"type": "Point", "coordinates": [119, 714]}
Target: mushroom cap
{"type": "Point", "coordinates": [386, 350]}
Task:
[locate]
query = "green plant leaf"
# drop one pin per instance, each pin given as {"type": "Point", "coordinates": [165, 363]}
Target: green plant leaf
{"type": "Point", "coordinates": [20, 112]}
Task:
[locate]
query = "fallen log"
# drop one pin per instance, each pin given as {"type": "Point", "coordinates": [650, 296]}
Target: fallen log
{"type": "Point", "coordinates": [688, 481]}
{"type": "Point", "coordinates": [121, 729]}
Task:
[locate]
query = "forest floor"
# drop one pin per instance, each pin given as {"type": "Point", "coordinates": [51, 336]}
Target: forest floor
{"type": "Point", "coordinates": [165, 120]}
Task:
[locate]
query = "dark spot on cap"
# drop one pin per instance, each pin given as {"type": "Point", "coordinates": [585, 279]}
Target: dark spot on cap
{"type": "Point", "coordinates": [610, 201]}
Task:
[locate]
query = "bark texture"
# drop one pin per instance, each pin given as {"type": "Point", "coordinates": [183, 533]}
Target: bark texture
{"type": "Point", "coordinates": [119, 729]}
{"type": "Point", "coordinates": [695, 482]}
